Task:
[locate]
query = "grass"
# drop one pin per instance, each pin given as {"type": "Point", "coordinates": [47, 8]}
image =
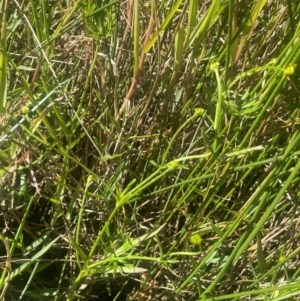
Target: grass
{"type": "Point", "coordinates": [149, 150]}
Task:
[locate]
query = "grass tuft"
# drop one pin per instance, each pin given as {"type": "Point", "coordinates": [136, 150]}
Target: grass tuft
{"type": "Point", "coordinates": [149, 150]}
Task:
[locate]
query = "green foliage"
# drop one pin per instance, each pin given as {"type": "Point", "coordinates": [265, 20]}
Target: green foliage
{"type": "Point", "coordinates": [149, 150]}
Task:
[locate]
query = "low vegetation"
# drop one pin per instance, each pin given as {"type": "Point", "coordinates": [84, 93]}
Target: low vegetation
{"type": "Point", "coordinates": [149, 150]}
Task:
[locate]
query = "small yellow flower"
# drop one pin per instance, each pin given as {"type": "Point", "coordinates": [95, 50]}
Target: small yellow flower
{"type": "Point", "coordinates": [199, 112]}
{"type": "Point", "coordinates": [173, 165]}
{"type": "Point", "coordinates": [25, 110]}
{"type": "Point", "coordinates": [281, 259]}
{"type": "Point", "coordinates": [289, 70]}
{"type": "Point", "coordinates": [195, 239]}
{"type": "Point", "coordinates": [214, 66]}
